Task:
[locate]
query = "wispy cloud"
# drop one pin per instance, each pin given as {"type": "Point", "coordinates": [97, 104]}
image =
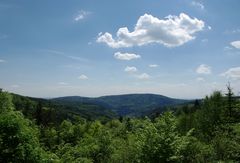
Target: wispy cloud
{"type": "Point", "coordinates": [62, 83]}
{"type": "Point", "coordinates": [78, 58]}
{"type": "Point", "coordinates": [200, 79]}
{"type": "Point", "coordinates": [153, 65]}
{"type": "Point", "coordinates": [171, 32]}
{"type": "Point", "coordinates": [198, 4]}
{"type": "Point", "coordinates": [83, 77]}
{"type": "Point", "coordinates": [56, 52]}
{"type": "Point", "coordinates": [126, 56]}
{"type": "Point", "coordinates": [203, 69]}
{"type": "Point", "coordinates": [204, 40]}
{"type": "Point", "coordinates": [130, 69]}
{"type": "Point", "coordinates": [77, 67]}
{"type": "Point", "coordinates": [234, 31]}
{"type": "Point", "coordinates": [82, 15]}
{"type": "Point", "coordinates": [227, 48]}
{"type": "Point", "coordinates": [52, 51]}
{"type": "Point", "coordinates": [2, 61]}
{"type": "Point", "coordinates": [143, 76]}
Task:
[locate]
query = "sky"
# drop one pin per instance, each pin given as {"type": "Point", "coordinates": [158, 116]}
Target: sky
{"type": "Point", "coordinates": [178, 48]}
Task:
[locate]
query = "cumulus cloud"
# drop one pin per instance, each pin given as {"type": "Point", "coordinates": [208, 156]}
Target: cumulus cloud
{"type": "Point", "coordinates": [198, 4]}
{"type": "Point", "coordinates": [233, 73]}
{"type": "Point", "coordinates": [130, 69]}
{"type": "Point", "coordinates": [171, 32]}
{"type": "Point", "coordinates": [236, 44]}
{"type": "Point", "coordinates": [81, 15]}
{"type": "Point", "coordinates": [83, 77]}
{"type": "Point", "coordinates": [126, 56]}
{"type": "Point", "coordinates": [153, 65]}
{"type": "Point", "coordinates": [143, 76]}
{"type": "Point", "coordinates": [203, 69]}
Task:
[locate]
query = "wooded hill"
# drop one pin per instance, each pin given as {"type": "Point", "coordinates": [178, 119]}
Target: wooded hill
{"type": "Point", "coordinates": [39, 130]}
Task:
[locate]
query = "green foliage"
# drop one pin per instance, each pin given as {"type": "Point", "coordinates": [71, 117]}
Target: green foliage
{"type": "Point", "coordinates": [204, 131]}
{"type": "Point", "coordinates": [129, 104]}
{"type": "Point", "coordinates": [161, 141]}
{"type": "Point", "coordinates": [5, 102]}
{"type": "Point", "coordinates": [216, 128]}
{"type": "Point", "coordinates": [18, 136]}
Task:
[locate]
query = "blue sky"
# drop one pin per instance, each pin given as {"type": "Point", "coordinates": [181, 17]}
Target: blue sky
{"type": "Point", "coordinates": [182, 49]}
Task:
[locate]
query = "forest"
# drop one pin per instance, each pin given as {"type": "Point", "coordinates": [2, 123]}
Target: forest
{"type": "Point", "coordinates": [207, 130]}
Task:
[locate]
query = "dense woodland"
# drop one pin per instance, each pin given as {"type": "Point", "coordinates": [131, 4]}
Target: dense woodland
{"type": "Point", "coordinates": [36, 131]}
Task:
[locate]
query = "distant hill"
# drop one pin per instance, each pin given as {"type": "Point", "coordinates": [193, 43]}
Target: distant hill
{"type": "Point", "coordinates": [62, 110]}
{"type": "Point", "coordinates": [122, 105]}
{"type": "Point", "coordinates": [105, 107]}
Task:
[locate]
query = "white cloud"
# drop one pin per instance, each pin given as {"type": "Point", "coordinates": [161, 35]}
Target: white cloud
{"type": "Point", "coordinates": [204, 40]}
{"type": "Point", "coordinates": [143, 76]}
{"type": "Point", "coordinates": [233, 73]}
{"type": "Point", "coordinates": [62, 83]}
{"type": "Point", "coordinates": [2, 61]}
{"type": "Point", "coordinates": [171, 32]}
{"type": "Point", "coordinates": [236, 44]}
{"type": "Point", "coordinates": [234, 31]}
{"type": "Point", "coordinates": [82, 15]}
{"type": "Point", "coordinates": [126, 56]}
{"type": "Point", "coordinates": [198, 4]}
{"type": "Point", "coordinates": [83, 77]}
{"type": "Point", "coordinates": [203, 69]}
{"type": "Point", "coordinates": [52, 51]}
{"type": "Point", "coordinates": [60, 53]}
{"type": "Point", "coordinates": [77, 58]}
{"type": "Point", "coordinates": [226, 48]}
{"type": "Point", "coordinates": [130, 69]}
{"type": "Point", "coordinates": [153, 65]}
{"type": "Point", "coordinates": [199, 79]}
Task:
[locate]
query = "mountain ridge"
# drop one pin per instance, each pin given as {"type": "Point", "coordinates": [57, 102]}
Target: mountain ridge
{"type": "Point", "coordinates": [124, 104]}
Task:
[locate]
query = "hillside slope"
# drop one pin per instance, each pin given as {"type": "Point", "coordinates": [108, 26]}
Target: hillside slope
{"type": "Point", "coordinates": [128, 104]}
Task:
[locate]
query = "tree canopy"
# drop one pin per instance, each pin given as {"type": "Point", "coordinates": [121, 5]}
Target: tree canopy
{"type": "Point", "coordinates": [207, 130]}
